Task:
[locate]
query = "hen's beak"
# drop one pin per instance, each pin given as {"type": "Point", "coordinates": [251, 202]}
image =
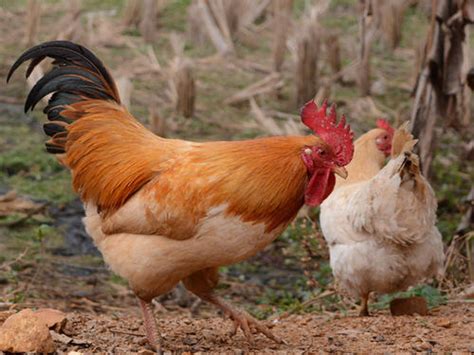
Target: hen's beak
{"type": "Point", "coordinates": [341, 171]}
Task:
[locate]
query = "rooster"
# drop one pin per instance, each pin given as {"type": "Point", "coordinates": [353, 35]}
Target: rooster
{"type": "Point", "coordinates": [163, 211]}
{"type": "Point", "coordinates": [380, 223]}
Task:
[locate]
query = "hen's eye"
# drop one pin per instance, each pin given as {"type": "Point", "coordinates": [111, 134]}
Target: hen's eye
{"type": "Point", "coordinates": [321, 152]}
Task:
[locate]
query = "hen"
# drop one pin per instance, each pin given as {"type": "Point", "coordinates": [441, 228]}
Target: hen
{"type": "Point", "coordinates": [380, 223]}
{"type": "Point", "coordinates": [163, 211]}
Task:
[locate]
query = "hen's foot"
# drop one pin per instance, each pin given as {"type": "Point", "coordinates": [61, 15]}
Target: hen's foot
{"type": "Point", "coordinates": [364, 306]}
{"type": "Point", "coordinates": [364, 312]}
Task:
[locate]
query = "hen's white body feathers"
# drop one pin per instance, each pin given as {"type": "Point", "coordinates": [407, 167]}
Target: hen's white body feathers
{"type": "Point", "coordinates": [381, 232]}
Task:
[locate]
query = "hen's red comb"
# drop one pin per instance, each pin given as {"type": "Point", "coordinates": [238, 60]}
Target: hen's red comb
{"type": "Point", "coordinates": [381, 123]}
{"type": "Point", "coordinates": [338, 136]}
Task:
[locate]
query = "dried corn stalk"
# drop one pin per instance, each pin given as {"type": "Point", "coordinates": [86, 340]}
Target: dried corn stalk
{"type": "Point", "coordinates": [390, 14]}
{"type": "Point", "coordinates": [125, 88]}
{"type": "Point", "coordinates": [185, 88]}
{"type": "Point", "coordinates": [148, 21]}
{"type": "Point", "coordinates": [132, 13]}
{"type": "Point", "coordinates": [70, 25]}
{"type": "Point", "coordinates": [157, 123]}
{"type": "Point", "coordinates": [267, 85]}
{"type": "Point", "coordinates": [144, 15]}
{"type": "Point", "coordinates": [282, 10]}
{"type": "Point", "coordinates": [271, 126]}
{"type": "Point", "coordinates": [220, 41]}
{"type": "Point", "coordinates": [182, 87]}
{"type": "Point", "coordinates": [441, 89]}
{"type": "Point", "coordinates": [333, 52]}
{"type": "Point", "coordinates": [305, 50]}
{"type": "Point", "coordinates": [368, 30]}
{"type": "Point", "coordinates": [33, 14]}
{"type": "Point", "coordinates": [224, 21]}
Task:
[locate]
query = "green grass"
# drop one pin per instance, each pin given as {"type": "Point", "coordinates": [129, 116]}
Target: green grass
{"type": "Point", "coordinates": [432, 295]}
{"type": "Point", "coordinates": [25, 167]}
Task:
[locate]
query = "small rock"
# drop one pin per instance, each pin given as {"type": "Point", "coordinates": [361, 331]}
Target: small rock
{"type": "Point", "coordinates": [81, 342]}
{"type": "Point", "coordinates": [189, 341]}
{"type": "Point", "coordinates": [146, 352]}
{"type": "Point", "coordinates": [409, 306]}
{"type": "Point", "coordinates": [425, 346]}
{"type": "Point", "coordinates": [4, 315]}
{"type": "Point", "coordinates": [444, 323]}
{"type": "Point", "coordinates": [142, 341]}
{"type": "Point", "coordinates": [62, 338]}
{"type": "Point", "coordinates": [24, 332]}
{"type": "Point", "coordinates": [53, 318]}
{"type": "Point", "coordinates": [379, 338]}
{"type": "Point", "coordinates": [208, 335]}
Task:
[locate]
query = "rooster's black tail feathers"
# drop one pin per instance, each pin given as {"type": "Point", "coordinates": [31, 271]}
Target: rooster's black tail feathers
{"type": "Point", "coordinates": [77, 75]}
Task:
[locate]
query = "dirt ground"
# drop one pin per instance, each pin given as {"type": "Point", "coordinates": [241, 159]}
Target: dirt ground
{"type": "Point", "coordinates": [447, 328]}
{"type": "Point", "coordinates": [47, 260]}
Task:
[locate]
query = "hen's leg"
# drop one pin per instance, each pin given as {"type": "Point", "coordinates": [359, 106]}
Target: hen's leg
{"type": "Point", "coordinates": [202, 284]}
{"type": "Point", "coordinates": [364, 306]}
{"type": "Point", "coordinates": [151, 328]}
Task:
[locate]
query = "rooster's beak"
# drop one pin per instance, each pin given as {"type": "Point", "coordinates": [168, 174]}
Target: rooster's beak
{"type": "Point", "coordinates": [341, 171]}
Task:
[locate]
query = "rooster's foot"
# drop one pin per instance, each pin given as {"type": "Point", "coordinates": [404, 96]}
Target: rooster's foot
{"type": "Point", "coordinates": [151, 328]}
{"type": "Point", "coordinates": [250, 325]}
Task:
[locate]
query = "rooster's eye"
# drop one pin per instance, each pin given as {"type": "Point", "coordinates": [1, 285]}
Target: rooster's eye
{"type": "Point", "coordinates": [321, 152]}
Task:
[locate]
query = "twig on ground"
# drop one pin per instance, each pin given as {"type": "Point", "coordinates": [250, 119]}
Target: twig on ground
{"type": "Point", "coordinates": [126, 333]}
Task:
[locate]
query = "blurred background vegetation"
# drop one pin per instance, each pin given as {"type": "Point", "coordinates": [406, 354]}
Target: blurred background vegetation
{"type": "Point", "coordinates": [223, 70]}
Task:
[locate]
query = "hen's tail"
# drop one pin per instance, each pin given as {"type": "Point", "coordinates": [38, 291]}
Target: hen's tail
{"type": "Point", "coordinates": [77, 75]}
{"type": "Point", "coordinates": [407, 162]}
{"type": "Point", "coordinates": [403, 141]}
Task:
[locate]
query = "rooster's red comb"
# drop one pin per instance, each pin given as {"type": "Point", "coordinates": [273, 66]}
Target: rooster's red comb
{"type": "Point", "coordinates": [338, 136]}
{"type": "Point", "coordinates": [381, 123]}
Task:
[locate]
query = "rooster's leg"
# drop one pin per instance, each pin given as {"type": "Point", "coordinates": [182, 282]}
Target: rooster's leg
{"type": "Point", "coordinates": [202, 284]}
{"type": "Point", "coordinates": [151, 328]}
{"type": "Point", "coordinates": [364, 306]}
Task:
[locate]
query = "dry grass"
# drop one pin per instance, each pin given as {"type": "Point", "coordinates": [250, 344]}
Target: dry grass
{"type": "Point", "coordinates": [238, 96]}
